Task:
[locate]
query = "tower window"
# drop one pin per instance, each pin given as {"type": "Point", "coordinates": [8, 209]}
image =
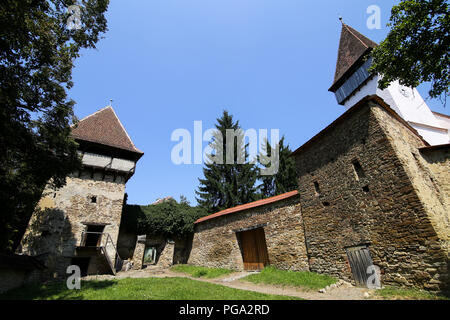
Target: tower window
{"type": "Point", "coordinates": [93, 199]}
{"type": "Point", "coordinates": [317, 188]}
{"type": "Point", "coordinates": [358, 170]}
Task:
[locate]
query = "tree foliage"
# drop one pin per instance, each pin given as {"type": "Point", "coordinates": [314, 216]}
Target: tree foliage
{"type": "Point", "coordinates": [37, 53]}
{"type": "Point", "coordinates": [416, 49]}
{"type": "Point", "coordinates": [285, 179]}
{"type": "Point", "coordinates": [227, 184]}
{"type": "Point", "coordinates": [168, 218]}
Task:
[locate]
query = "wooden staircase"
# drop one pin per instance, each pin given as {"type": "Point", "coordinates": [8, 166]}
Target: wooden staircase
{"type": "Point", "coordinates": [100, 253]}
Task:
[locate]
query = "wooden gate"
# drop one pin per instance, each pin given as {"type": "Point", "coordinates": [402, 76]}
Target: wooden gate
{"type": "Point", "coordinates": [254, 249]}
{"type": "Point", "coordinates": [360, 259]}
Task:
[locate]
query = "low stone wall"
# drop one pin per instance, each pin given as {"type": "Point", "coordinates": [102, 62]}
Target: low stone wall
{"type": "Point", "coordinates": [168, 252]}
{"type": "Point", "coordinates": [216, 244]}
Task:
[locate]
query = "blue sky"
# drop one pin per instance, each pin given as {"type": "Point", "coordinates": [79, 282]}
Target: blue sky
{"type": "Point", "coordinates": [168, 63]}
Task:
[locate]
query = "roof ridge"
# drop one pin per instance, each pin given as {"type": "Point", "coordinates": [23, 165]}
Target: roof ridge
{"type": "Point", "coordinates": [355, 35]}
{"type": "Point", "coordinates": [123, 128]}
{"type": "Point", "coordinates": [93, 114]}
{"type": "Point", "coordinates": [249, 205]}
{"type": "Point", "coordinates": [109, 131]}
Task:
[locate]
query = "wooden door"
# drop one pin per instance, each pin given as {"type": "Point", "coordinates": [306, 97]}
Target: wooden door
{"type": "Point", "coordinates": [254, 249]}
{"type": "Point", "coordinates": [360, 259]}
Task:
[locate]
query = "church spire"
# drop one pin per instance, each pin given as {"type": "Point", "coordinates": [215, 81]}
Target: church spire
{"type": "Point", "coordinates": [352, 46]}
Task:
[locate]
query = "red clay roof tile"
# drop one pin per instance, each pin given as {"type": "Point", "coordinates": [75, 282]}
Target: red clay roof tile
{"type": "Point", "coordinates": [352, 46]}
{"type": "Point", "coordinates": [249, 206]}
{"type": "Point", "coordinates": [104, 127]}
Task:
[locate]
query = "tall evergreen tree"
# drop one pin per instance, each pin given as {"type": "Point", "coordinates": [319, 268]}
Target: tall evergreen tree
{"type": "Point", "coordinates": [229, 179]}
{"type": "Point", "coordinates": [285, 179]}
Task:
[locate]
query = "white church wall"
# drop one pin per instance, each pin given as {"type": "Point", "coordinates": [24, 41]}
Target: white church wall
{"type": "Point", "coordinates": [409, 104]}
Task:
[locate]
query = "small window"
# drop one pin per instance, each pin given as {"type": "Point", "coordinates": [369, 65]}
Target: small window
{"type": "Point", "coordinates": [366, 189]}
{"type": "Point", "coordinates": [93, 199]}
{"type": "Point", "coordinates": [317, 188]}
{"type": "Point", "coordinates": [358, 170]}
{"type": "Point", "coordinates": [45, 233]}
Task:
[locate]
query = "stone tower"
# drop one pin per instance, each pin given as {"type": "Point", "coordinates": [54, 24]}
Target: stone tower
{"type": "Point", "coordinates": [352, 82]}
{"type": "Point", "coordinates": [79, 223]}
{"type": "Point", "coordinates": [374, 185]}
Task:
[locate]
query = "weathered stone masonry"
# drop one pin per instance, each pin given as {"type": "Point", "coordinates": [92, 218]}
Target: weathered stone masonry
{"type": "Point", "coordinates": [368, 179]}
{"type": "Point", "coordinates": [363, 180]}
{"type": "Point", "coordinates": [216, 244]}
{"type": "Point", "coordinates": [56, 227]}
{"type": "Point", "coordinates": [78, 224]}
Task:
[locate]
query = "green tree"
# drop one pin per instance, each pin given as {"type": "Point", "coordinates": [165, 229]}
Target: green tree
{"type": "Point", "coordinates": [37, 53]}
{"type": "Point", "coordinates": [167, 218]}
{"type": "Point", "coordinates": [285, 179]}
{"type": "Point", "coordinates": [416, 48]}
{"type": "Point", "coordinates": [227, 183]}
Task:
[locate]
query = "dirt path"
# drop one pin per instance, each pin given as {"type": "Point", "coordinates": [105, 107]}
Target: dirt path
{"type": "Point", "coordinates": [233, 281]}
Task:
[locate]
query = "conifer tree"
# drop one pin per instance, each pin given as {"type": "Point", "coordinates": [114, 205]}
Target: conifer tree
{"type": "Point", "coordinates": [229, 179]}
{"type": "Point", "coordinates": [285, 179]}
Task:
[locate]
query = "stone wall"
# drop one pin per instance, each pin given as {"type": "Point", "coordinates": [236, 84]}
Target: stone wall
{"type": "Point", "coordinates": [56, 227]}
{"type": "Point", "coordinates": [357, 188]}
{"type": "Point", "coordinates": [215, 242]}
{"type": "Point", "coordinates": [168, 252]}
{"type": "Point", "coordinates": [126, 243]}
{"type": "Point", "coordinates": [166, 255]}
{"type": "Point", "coordinates": [138, 255]}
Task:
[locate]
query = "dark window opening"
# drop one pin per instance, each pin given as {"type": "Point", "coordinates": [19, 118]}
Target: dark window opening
{"type": "Point", "coordinates": [317, 188]}
{"type": "Point", "coordinates": [366, 189]}
{"type": "Point", "coordinates": [45, 233]}
{"type": "Point", "coordinates": [358, 170]}
{"type": "Point", "coordinates": [326, 204]}
{"type": "Point", "coordinates": [94, 199]}
{"type": "Point", "coordinates": [93, 235]}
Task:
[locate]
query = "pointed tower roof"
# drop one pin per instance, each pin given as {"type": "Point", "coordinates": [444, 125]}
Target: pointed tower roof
{"type": "Point", "coordinates": [352, 47]}
{"type": "Point", "coordinates": [104, 127]}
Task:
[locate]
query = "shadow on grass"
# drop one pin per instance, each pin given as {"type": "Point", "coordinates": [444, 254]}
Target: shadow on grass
{"type": "Point", "coordinates": [56, 291]}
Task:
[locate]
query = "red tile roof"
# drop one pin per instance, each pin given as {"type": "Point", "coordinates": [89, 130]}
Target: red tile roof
{"type": "Point", "coordinates": [249, 206]}
{"type": "Point", "coordinates": [104, 127]}
{"type": "Point", "coordinates": [352, 46]}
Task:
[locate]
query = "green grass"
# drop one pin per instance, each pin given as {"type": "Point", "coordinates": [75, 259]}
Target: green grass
{"type": "Point", "coordinates": [393, 293]}
{"type": "Point", "coordinates": [137, 289]}
{"type": "Point", "coordinates": [303, 279]}
{"type": "Point", "coordinates": [201, 272]}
